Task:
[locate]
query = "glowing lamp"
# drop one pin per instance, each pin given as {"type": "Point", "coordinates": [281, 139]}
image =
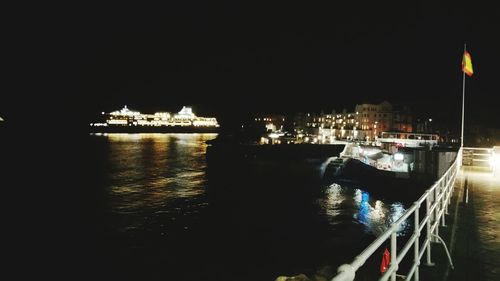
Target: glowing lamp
{"type": "Point", "coordinates": [398, 157]}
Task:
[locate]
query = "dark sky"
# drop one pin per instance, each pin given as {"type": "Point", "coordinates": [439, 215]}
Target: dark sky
{"type": "Point", "coordinates": [231, 59]}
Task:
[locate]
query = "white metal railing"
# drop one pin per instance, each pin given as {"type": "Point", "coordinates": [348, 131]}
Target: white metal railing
{"type": "Point", "coordinates": [477, 155]}
{"type": "Point", "coordinates": [435, 200]}
{"type": "Point", "coordinates": [409, 139]}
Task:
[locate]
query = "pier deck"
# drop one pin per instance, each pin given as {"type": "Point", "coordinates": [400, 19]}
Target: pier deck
{"type": "Point", "coordinates": [473, 230]}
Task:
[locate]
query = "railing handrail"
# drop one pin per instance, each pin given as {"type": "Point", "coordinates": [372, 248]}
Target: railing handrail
{"type": "Point", "coordinates": [479, 155]}
{"type": "Point", "coordinates": [439, 193]}
{"type": "Point", "coordinates": [478, 148]}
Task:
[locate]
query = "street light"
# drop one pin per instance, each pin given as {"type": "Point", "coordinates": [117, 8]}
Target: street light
{"type": "Point", "coordinates": [495, 160]}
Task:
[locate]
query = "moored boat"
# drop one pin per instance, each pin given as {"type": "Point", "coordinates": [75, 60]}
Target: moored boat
{"type": "Point", "coordinates": [298, 161]}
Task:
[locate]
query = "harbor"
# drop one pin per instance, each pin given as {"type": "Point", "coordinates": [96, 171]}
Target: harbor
{"type": "Point", "coordinates": [467, 235]}
{"type": "Point", "coordinates": [167, 211]}
{"type": "Point", "coordinates": [264, 207]}
{"type": "Point", "coordinates": [281, 142]}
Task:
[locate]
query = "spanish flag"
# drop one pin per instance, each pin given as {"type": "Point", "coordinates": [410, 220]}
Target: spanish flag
{"type": "Point", "coordinates": [467, 64]}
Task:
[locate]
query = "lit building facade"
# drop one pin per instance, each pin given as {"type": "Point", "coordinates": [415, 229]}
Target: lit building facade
{"type": "Point", "coordinates": [377, 118]}
{"type": "Point", "coordinates": [326, 128]}
{"type": "Point", "coordinates": [271, 123]}
{"type": "Point", "coordinates": [366, 123]}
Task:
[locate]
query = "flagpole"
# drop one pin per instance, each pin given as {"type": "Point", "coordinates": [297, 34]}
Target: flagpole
{"type": "Point", "coordinates": [463, 100]}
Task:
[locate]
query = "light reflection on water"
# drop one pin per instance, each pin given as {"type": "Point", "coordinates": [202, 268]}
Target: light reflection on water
{"type": "Point", "coordinates": [154, 177]}
{"type": "Point", "coordinates": [157, 209]}
{"type": "Point", "coordinates": [375, 215]}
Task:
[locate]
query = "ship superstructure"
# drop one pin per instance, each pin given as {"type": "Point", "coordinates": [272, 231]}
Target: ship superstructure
{"type": "Point", "coordinates": [129, 118]}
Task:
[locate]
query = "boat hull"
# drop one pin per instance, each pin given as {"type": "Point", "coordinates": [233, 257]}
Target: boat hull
{"type": "Point", "coordinates": [153, 129]}
{"type": "Point", "coordinates": [296, 161]}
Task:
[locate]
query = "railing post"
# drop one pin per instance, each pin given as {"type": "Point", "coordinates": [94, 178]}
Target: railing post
{"type": "Point", "coordinates": [452, 189]}
{"type": "Point", "coordinates": [394, 255]}
{"type": "Point", "coordinates": [461, 153]}
{"type": "Point", "coordinates": [449, 190]}
{"type": "Point", "coordinates": [443, 204]}
{"type": "Point", "coordinates": [448, 195]}
{"type": "Point", "coordinates": [416, 252]}
{"type": "Point", "coordinates": [429, 221]}
{"type": "Point", "coordinates": [436, 210]}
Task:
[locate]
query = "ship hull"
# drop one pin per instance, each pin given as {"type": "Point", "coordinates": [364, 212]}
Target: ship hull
{"type": "Point", "coordinates": [298, 162]}
{"type": "Point", "coordinates": [153, 129]}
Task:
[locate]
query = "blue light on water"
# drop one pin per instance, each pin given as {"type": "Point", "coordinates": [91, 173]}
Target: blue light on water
{"type": "Point", "coordinates": [377, 216]}
{"type": "Point", "coordinates": [364, 209]}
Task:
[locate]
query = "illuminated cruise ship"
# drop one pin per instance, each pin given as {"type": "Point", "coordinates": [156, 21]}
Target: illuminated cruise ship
{"type": "Point", "coordinates": [126, 120]}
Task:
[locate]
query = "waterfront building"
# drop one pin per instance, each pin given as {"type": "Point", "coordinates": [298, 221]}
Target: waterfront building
{"type": "Point", "coordinates": [366, 123]}
{"type": "Point", "coordinates": [377, 118]}
{"type": "Point", "coordinates": [269, 122]}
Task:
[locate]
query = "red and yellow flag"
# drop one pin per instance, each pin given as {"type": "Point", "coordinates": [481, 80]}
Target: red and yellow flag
{"type": "Point", "coordinates": [467, 64]}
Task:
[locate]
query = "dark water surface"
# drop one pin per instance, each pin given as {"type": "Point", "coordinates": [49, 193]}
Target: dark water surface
{"type": "Point", "coordinates": [157, 215]}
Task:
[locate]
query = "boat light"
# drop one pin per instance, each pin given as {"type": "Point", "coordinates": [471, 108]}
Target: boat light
{"type": "Point", "coordinates": [398, 157]}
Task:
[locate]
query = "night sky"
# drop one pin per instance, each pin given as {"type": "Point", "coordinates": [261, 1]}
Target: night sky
{"type": "Point", "coordinates": [231, 60]}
